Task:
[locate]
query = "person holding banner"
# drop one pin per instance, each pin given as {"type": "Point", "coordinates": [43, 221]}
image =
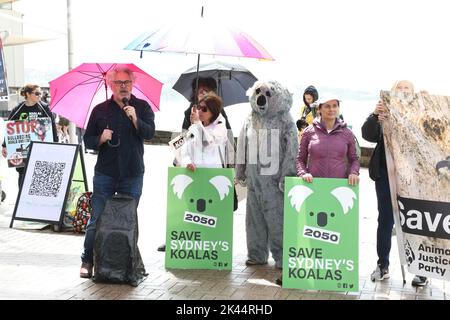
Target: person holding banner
{"type": "Point", "coordinates": [327, 147]}
{"type": "Point", "coordinates": [372, 131]}
{"type": "Point", "coordinates": [30, 109]}
{"type": "Point", "coordinates": [117, 128]}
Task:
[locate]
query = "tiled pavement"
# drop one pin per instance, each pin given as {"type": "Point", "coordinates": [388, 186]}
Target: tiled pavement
{"type": "Point", "coordinates": [43, 264]}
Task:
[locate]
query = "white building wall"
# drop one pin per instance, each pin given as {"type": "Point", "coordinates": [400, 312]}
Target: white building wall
{"type": "Point", "coordinates": [14, 55]}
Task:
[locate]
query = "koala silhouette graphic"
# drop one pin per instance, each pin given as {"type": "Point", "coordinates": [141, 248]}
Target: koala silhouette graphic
{"type": "Point", "coordinates": [221, 183]}
{"type": "Point", "coordinates": [345, 196]}
{"type": "Point", "coordinates": [321, 235]}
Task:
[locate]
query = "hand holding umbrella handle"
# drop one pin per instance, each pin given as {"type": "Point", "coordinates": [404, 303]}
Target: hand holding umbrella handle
{"type": "Point", "coordinates": [106, 136]}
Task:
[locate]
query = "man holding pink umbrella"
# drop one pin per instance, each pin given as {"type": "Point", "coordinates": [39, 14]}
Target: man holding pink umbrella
{"type": "Point", "coordinates": [117, 128]}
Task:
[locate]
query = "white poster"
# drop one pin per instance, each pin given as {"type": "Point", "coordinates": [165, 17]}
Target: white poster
{"type": "Point", "coordinates": [19, 134]}
{"type": "Point", "coordinates": [46, 182]}
{"type": "Point", "coordinates": [417, 140]}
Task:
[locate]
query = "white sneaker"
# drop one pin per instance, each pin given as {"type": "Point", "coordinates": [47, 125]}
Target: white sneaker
{"type": "Point", "coordinates": [380, 274]}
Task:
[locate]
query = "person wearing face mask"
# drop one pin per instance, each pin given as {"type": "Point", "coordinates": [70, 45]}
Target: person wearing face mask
{"type": "Point", "coordinates": [30, 109]}
{"type": "Point", "coordinates": [372, 131]}
{"type": "Point", "coordinates": [117, 128]}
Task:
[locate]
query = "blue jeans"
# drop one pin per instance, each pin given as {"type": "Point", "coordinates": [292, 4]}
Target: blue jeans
{"type": "Point", "coordinates": [104, 188]}
{"type": "Point", "coordinates": [385, 219]}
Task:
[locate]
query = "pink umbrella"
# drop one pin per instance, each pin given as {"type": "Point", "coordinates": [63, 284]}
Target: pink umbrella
{"type": "Point", "coordinates": [77, 92]}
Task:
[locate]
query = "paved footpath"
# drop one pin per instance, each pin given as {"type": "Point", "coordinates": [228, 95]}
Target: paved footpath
{"type": "Point", "coordinates": [38, 263]}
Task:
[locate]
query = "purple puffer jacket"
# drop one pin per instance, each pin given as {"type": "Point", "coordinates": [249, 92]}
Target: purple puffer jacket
{"type": "Point", "coordinates": [327, 155]}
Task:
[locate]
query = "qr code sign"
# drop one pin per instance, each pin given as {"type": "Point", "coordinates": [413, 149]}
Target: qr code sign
{"type": "Point", "coordinates": [47, 178]}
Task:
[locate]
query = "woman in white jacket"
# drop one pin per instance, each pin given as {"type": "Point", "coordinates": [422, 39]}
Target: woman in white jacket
{"type": "Point", "coordinates": [206, 146]}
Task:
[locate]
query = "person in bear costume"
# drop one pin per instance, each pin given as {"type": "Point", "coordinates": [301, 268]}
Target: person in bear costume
{"type": "Point", "coordinates": [266, 152]}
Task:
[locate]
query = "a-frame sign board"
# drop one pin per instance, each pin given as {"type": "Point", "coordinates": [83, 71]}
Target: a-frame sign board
{"type": "Point", "coordinates": [53, 171]}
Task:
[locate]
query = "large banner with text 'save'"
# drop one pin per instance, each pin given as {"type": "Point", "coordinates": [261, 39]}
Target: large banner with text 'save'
{"type": "Point", "coordinates": [417, 140]}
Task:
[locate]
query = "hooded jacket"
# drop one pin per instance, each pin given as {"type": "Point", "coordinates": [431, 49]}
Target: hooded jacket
{"type": "Point", "coordinates": [307, 112]}
{"type": "Point", "coordinates": [313, 92]}
{"type": "Point", "coordinates": [327, 155]}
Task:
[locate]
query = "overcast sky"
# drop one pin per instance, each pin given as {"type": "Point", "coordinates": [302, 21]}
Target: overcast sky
{"type": "Point", "coordinates": [347, 44]}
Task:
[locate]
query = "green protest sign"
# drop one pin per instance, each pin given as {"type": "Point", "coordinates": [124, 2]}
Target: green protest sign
{"type": "Point", "coordinates": [320, 246]}
{"type": "Point", "coordinates": [199, 219]}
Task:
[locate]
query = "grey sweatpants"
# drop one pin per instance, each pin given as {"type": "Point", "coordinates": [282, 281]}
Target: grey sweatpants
{"type": "Point", "coordinates": [264, 220]}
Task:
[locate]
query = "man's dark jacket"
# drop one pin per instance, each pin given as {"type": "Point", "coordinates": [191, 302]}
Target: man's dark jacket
{"type": "Point", "coordinates": [123, 156]}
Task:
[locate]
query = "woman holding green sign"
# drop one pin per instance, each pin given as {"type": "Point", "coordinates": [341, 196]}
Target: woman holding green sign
{"type": "Point", "coordinates": [327, 148]}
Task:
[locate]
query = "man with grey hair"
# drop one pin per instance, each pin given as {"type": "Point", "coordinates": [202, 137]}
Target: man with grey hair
{"type": "Point", "coordinates": [117, 129]}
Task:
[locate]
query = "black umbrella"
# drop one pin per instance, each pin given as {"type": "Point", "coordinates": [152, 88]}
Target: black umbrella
{"type": "Point", "coordinates": [233, 80]}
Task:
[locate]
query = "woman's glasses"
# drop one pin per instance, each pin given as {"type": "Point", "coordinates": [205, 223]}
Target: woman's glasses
{"type": "Point", "coordinates": [202, 108]}
{"type": "Point", "coordinates": [37, 93]}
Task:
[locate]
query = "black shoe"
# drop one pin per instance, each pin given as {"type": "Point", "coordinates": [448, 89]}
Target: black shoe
{"type": "Point", "coordinates": [419, 281]}
{"type": "Point", "coordinates": [86, 270]}
{"type": "Point", "coordinates": [279, 281]}
{"type": "Point", "coordinates": [251, 262]}
{"type": "Point", "coordinates": [162, 248]}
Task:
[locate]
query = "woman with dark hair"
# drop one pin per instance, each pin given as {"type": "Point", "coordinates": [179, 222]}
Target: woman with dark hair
{"type": "Point", "coordinates": [30, 109]}
{"type": "Point", "coordinates": [308, 112]}
{"type": "Point", "coordinates": [206, 146]}
{"type": "Point", "coordinates": [327, 148]}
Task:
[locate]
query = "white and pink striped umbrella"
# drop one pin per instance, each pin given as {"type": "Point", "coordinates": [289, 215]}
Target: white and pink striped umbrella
{"type": "Point", "coordinates": [200, 36]}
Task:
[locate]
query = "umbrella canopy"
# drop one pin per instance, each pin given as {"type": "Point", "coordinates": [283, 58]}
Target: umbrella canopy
{"type": "Point", "coordinates": [233, 80]}
{"type": "Point", "coordinates": [77, 92]}
{"type": "Point", "coordinates": [200, 36]}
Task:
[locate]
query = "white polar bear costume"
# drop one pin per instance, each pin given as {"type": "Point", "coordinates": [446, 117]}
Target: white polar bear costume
{"type": "Point", "coordinates": [266, 153]}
